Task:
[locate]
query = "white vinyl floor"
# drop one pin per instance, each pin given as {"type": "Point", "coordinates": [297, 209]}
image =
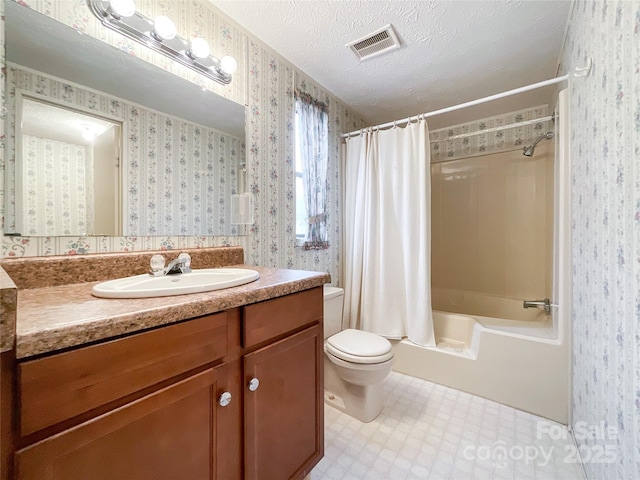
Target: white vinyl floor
{"type": "Point", "coordinates": [428, 431]}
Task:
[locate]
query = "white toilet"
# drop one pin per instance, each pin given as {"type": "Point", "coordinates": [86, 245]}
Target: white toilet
{"type": "Point", "coordinates": [355, 363]}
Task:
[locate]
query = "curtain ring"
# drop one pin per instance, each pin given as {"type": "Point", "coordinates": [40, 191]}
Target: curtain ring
{"type": "Point", "coordinates": [395, 124]}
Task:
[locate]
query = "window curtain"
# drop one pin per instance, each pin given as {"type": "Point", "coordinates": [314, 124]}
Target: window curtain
{"type": "Point", "coordinates": [312, 123]}
{"type": "Point", "coordinates": [387, 225]}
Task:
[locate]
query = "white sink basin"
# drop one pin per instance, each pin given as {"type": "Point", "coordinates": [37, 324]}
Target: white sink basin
{"type": "Point", "coordinates": [198, 281]}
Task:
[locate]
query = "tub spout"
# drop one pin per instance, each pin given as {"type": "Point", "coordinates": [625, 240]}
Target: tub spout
{"type": "Point", "coordinates": [545, 304]}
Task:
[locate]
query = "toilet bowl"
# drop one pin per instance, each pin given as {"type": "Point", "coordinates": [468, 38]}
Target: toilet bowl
{"type": "Point", "coordinates": [356, 363]}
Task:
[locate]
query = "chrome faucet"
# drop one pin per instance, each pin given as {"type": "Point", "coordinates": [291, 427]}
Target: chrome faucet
{"type": "Point", "coordinates": [181, 264]}
{"type": "Point", "coordinates": [545, 304]}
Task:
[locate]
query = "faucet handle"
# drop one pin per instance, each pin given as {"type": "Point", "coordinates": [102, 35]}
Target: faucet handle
{"type": "Point", "coordinates": [157, 265]}
{"type": "Point", "coordinates": [186, 262]}
{"type": "Point", "coordinates": [544, 304]}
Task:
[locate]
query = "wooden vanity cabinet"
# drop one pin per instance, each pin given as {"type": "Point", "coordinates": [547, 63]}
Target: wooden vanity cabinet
{"type": "Point", "coordinates": [176, 424]}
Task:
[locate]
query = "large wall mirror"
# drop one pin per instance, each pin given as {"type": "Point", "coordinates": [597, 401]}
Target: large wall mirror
{"type": "Point", "coordinates": [165, 156]}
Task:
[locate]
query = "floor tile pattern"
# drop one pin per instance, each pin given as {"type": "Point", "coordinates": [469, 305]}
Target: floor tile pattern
{"type": "Point", "coordinates": [428, 431]}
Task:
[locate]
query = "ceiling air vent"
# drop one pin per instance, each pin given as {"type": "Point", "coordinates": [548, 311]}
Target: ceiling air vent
{"type": "Point", "coordinates": [381, 41]}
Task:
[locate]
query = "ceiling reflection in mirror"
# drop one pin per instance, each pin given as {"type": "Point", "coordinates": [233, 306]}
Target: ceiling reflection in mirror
{"type": "Point", "coordinates": [182, 151]}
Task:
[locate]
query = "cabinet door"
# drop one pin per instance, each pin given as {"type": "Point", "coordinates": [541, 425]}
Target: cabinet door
{"type": "Point", "coordinates": [229, 451]}
{"type": "Point", "coordinates": [284, 416]}
{"type": "Point", "coordinates": [165, 435]}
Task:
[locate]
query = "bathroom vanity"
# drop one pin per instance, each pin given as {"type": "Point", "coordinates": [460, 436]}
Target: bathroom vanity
{"type": "Point", "coordinates": [225, 384]}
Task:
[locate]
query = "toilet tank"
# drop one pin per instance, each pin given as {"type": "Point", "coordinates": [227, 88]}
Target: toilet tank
{"type": "Point", "coordinates": [333, 299]}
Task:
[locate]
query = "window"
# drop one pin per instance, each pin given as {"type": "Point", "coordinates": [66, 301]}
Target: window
{"type": "Point", "coordinates": [312, 160]}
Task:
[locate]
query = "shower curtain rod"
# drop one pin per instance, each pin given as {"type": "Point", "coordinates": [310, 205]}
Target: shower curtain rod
{"type": "Point", "coordinates": [472, 103]}
{"type": "Point", "coordinates": [495, 129]}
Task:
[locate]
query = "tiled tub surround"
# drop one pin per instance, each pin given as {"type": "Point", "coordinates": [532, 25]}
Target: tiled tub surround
{"type": "Point", "coordinates": [50, 318]}
{"type": "Point", "coordinates": [492, 225]}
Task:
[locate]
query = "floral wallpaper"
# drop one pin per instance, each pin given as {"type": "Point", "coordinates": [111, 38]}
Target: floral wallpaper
{"type": "Point", "coordinates": [446, 146]}
{"type": "Point", "coordinates": [605, 152]}
{"type": "Point", "coordinates": [271, 159]}
{"type": "Point", "coordinates": [58, 185]}
{"type": "Point", "coordinates": [177, 176]}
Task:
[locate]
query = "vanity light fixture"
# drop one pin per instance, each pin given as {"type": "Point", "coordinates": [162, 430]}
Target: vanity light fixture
{"type": "Point", "coordinates": [160, 35]}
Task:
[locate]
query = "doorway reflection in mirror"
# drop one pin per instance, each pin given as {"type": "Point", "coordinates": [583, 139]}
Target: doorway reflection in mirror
{"type": "Point", "coordinates": [70, 172]}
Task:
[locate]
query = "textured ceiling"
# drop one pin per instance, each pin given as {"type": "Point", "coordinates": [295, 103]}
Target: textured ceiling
{"type": "Point", "coordinates": [452, 51]}
{"type": "Point", "coordinates": [49, 121]}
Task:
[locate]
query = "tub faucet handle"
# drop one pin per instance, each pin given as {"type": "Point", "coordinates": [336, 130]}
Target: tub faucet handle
{"type": "Point", "coordinates": [545, 304]}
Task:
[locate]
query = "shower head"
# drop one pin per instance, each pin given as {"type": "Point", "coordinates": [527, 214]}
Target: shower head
{"type": "Point", "coordinates": [528, 151]}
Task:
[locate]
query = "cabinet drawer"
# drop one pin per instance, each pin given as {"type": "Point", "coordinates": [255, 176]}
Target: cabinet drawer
{"type": "Point", "coordinates": [59, 387]}
{"type": "Point", "coordinates": [266, 320]}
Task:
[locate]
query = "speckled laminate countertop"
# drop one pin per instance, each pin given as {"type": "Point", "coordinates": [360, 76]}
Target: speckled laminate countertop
{"type": "Point", "coordinates": [57, 317]}
{"type": "Point", "coordinates": [8, 302]}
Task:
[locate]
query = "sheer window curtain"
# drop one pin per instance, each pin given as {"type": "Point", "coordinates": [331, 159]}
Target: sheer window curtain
{"type": "Point", "coordinates": [312, 137]}
{"type": "Point", "coordinates": [387, 225]}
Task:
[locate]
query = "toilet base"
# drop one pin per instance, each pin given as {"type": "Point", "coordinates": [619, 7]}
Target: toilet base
{"type": "Point", "coordinates": [363, 402]}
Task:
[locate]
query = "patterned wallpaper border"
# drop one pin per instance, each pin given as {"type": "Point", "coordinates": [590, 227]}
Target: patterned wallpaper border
{"type": "Point", "coordinates": [443, 149]}
{"type": "Point", "coordinates": [44, 246]}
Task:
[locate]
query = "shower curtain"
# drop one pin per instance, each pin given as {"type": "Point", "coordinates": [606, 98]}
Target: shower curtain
{"type": "Point", "coordinates": [387, 223]}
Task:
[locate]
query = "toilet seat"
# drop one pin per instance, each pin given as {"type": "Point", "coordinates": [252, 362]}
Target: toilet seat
{"type": "Point", "coordinates": [358, 346]}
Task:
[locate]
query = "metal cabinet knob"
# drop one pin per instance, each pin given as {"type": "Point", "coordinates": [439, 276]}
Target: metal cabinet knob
{"type": "Point", "coordinates": [254, 383]}
{"type": "Point", "coordinates": [225, 399]}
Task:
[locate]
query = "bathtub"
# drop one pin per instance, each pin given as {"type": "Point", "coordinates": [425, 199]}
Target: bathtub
{"type": "Point", "coordinates": [494, 348]}
{"type": "Point", "coordinates": [521, 363]}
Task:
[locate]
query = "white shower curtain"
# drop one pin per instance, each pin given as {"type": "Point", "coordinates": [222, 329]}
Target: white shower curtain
{"type": "Point", "coordinates": [387, 222]}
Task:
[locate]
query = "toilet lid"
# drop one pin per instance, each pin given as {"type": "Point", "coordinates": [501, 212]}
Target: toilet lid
{"type": "Point", "coordinates": [359, 346]}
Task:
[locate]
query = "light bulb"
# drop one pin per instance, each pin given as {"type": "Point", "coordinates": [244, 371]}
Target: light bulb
{"type": "Point", "coordinates": [199, 48]}
{"type": "Point", "coordinates": [123, 8]}
{"type": "Point", "coordinates": [88, 135]}
{"type": "Point", "coordinates": [228, 65]}
{"type": "Point", "coordinates": [164, 28]}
